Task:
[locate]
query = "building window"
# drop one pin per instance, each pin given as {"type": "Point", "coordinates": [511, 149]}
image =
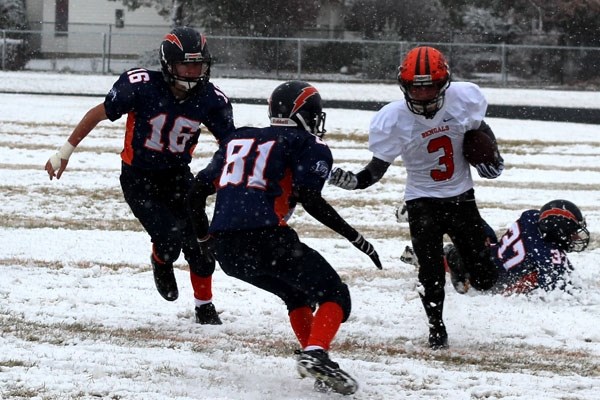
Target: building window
{"type": "Point", "coordinates": [119, 18]}
{"type": "Point", "coordinates": [61, 24]}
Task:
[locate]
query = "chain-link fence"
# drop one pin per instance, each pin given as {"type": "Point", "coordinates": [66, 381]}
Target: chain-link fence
{"type": "Point", "coordinates": [112, 52]}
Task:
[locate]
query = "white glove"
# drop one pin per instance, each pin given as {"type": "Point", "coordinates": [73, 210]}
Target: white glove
{"type": "Point", "coordinates": [344, 179]}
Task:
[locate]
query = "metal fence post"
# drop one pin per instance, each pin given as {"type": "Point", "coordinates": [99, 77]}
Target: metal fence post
{"type": "Point", "coordinates": [3, 49]}
{"type": "Point", "coordinates": [299, 70]}
{"type": "Point", "coordinates": [109, 44]}
{"type": "Point", "coordinates": [103, 53]}
{"type": "Point", "coordinates": [503, 67]}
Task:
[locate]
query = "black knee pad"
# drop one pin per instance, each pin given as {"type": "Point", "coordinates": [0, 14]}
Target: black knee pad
{"type": "Point", "coordinates": [201, 267]}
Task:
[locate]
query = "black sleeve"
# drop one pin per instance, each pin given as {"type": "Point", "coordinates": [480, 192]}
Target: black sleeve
{"type": "Point", "coordinates": [488, 130]}
{"type": "Point", "coordinates": [372, 173]}
{"type": "Point", "coordinates": [322, 211]}
{"type": "Point", "coordinates": [196, 205]}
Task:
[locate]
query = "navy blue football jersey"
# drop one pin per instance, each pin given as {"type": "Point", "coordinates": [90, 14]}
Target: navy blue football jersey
{"type": "Point", "coordinates": [162, 131]}
{"type": "Point", "coordinates": [526, 261]}
{"type": "Point", "coordinates": [255, 172]}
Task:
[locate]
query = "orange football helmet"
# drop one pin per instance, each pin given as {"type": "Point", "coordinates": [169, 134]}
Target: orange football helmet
{"type": "Point", "coordinates": [424, 76]}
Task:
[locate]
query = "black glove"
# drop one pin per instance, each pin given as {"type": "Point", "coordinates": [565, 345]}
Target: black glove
{"type": "Point", "coordinates": [367, 248]}
{"type": "Point", "coordinates": [344, 179]}
{"type": "Point", "coordinates": [490, 171]}
{"type": "Point", "coordinates": [207, 245]}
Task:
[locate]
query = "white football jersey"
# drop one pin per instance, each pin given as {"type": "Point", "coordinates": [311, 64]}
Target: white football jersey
{"type": "Point", "coordinates": [431, 149]}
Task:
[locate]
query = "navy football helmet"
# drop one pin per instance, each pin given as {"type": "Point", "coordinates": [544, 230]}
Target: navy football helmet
{"type": "Point", "coordinates": [298, 104]}
{"type": "Point", "coordinates": [562, 222]}
{"type": "Point", "coordinates": [185, 45]}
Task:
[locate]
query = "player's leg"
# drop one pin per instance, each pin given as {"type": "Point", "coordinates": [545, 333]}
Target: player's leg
{"type": "Point", "coordinates": [142, 194]}
{"type": "Point", "coordinates": [468, 234]}
{"type": "Point", "coordinates": [426, 224]}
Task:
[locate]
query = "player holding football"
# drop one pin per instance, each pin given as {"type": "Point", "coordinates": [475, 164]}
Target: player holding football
{"type": "Point", "coordinates": [164, 112]}
{"type": "Point", "coordinates": [532, 254]}
{"type": "Point", "coordinates": [427, 130]}
{"type": "Point", "coordinates": [259, 175]}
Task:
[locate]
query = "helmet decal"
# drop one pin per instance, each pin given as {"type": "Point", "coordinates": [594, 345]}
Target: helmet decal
{"type": "Point", "coordinates": [305, 93]}
{"type": "Point", "coordinates": [559, 212]}
{"type": "Point", "coordinates": [422, 63]}
{"type": "Point", "coordinates": [171, 37]}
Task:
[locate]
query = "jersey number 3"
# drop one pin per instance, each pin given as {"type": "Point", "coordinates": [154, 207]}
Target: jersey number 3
{"type": "Point", "coordinates": [447, 159]}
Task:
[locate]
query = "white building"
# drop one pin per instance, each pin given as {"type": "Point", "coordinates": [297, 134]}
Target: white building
{"type": "Point", "coordinates": [82, 27]}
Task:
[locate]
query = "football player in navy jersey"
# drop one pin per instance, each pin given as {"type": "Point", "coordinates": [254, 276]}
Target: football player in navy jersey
{"type": "Point", "coordinates": [532, 254]}
{"type": "Point", "coordinates": [427, 129]}
{"type": "Point", "coordinates": [259, 175]}
{"type": "Point", "coordinates": [164, 112]}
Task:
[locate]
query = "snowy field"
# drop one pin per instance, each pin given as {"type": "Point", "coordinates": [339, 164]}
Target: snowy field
{"type": "Point", "coordinates": [80, 317]}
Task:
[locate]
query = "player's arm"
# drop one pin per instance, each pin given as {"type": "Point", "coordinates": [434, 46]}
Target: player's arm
{"type": "Point", "coordinates": [57, 163]}
{"type": "Point", "coordinates": [322, 211]}
{"type": "Point", "coordinates": [369, 175]}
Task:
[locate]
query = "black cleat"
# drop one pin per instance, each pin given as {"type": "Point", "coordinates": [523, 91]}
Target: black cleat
{"type": "Point", "coordinates": [438, 338]}
{"type": "Point", "coordinates": [409, 257]}
{"type": "Point", "coordinates": [458, 274]}
{"type": "Point", "coordinates": [316, 363]}
{"type": "Point", "coordinates": [321, 387]}
{"type": "Point", "coordinates": [207, 315]}
{"type": "Point", "coordinates": [164, 278]}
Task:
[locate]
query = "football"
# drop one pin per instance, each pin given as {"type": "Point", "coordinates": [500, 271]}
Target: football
{"type": "Point", "coordinates": [479, 148]}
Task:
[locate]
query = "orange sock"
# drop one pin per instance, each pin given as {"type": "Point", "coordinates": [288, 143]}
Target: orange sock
{"type": "Point", "coordinates": [326, 323]}
{"type": "Point", "coordinates": [301, 320]}
{"type": "Point", "coordinates": [202, 287]}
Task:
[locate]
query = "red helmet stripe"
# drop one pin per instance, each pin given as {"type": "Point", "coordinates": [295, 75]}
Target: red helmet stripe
{"type": "Point", "coordinates": [170, 37]}
{"type": "Point", "coordinates": [302, 98]}
{"type": "Point", "coordinates": [559, 212]}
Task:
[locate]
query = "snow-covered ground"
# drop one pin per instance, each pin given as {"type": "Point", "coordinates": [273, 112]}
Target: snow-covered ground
{"type": "Point", "coordinates": [80, 317]}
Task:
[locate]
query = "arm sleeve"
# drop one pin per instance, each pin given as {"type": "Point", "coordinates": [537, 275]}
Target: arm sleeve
{"type": "Point", "coordinates": [322, 211]}
{"type": "Point", "coordinates": [372, 173]}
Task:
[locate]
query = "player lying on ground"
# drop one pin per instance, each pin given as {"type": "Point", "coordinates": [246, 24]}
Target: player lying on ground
{"type": "Point", "coordinates": [531, 254]}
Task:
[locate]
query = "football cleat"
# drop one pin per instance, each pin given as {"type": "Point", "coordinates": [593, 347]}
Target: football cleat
{"type": "Point", "coordinates": [164, 278]}
{"type": "Point", "coordinates": [438, 337]}
{"type": "Point", "coordinates": [409, 257]}
{"type": "Point", "coordinates": [316, 363]}
{"type": "Point", "coordinates": [458, 275]}
{"type": "Point", "coordinates": [207, 315]}
{"type": "Point", "coordinates": [321, 387]}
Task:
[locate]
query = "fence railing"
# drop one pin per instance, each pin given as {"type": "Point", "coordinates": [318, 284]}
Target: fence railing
{"type": "Point", "coordinates": [112, 52]}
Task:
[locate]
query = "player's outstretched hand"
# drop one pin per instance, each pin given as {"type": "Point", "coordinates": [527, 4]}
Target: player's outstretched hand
{"type": "Point", "coordinates": [344, 179]}
{"type": "Point", "coordinates": [363, 245]}
{"type": "Point", "coordinates": [57, 163]}
{"type": "Point", "coordinates": [55, 167]}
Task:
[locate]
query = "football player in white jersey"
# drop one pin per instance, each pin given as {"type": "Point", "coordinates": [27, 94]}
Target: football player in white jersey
{"type": "Point", "coordinates": [427, 129]}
